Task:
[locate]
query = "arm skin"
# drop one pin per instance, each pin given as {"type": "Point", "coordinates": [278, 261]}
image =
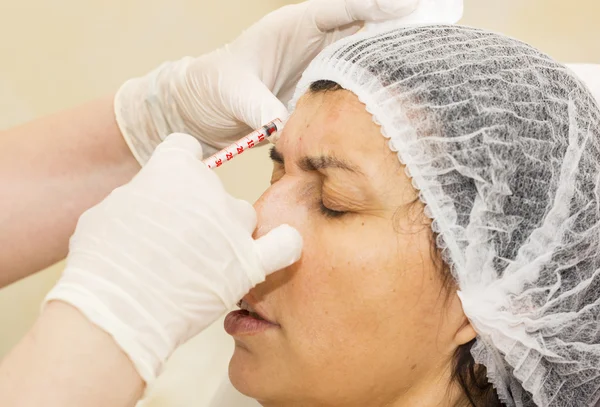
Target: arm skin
{"type": "Point", "coordinates": [51, 171]}
{"type": "Point", "coordinates": [66, 361]}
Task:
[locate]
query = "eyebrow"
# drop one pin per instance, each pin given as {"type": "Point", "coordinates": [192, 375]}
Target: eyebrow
{"type": "Point", "coordinates": [276, 156]}
{"type": "Point", "coordinates": [316, 163]}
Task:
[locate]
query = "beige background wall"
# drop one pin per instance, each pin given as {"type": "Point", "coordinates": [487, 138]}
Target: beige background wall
{"type": "Point", "coordinates": [57, 54]}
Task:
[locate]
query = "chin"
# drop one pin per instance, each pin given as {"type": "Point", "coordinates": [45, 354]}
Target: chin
{"type": "Point", "coordinates": [247, 375]}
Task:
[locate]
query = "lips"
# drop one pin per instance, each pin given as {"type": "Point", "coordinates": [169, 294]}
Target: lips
{"type": "Point", "coordinates": [247, 321]}
{"type": "Point", "coordinates": [253, 311]}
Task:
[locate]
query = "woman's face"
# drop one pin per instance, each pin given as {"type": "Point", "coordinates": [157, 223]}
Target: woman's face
{"type": "Point", "coordinates": [363, 318]}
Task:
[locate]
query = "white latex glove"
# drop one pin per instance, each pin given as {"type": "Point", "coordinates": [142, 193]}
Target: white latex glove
{"type": "Point", "coordinates": [427, 12]}
{"type": "Point", "coordinates": [218, 97]}
{"type": "Point", "coordinates": [590, 75]}
{"type": "Point", "coordinates": [164, 256]}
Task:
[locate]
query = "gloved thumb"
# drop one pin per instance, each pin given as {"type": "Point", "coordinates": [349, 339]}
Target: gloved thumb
{"type": "Point", "coordinates": [257, 105]}
{"type": "Point", "coordinates": [279, 248]}
{"type": "Point", "coordinates": [180, 143]}
{"type": "Point", "coordinates": [332, 14]}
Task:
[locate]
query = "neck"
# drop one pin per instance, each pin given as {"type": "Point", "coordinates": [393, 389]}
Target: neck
{"type": "Point", "coordinates": [434, 390]}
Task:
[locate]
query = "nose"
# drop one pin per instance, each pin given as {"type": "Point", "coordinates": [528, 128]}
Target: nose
{"type": "Point", "coordinates": [280, 204]}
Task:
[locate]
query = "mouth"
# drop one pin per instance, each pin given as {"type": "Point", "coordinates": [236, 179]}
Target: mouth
{"type": "Point", "coordinates": [249, 309]}
{"type": "Point", "coordinates": [247, 321]}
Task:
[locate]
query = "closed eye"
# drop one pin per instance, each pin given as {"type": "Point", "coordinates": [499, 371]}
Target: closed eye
{"type": "Point", "coordinates": [308, 165]}
{"type": "Point", "coordinates": [330, 213]}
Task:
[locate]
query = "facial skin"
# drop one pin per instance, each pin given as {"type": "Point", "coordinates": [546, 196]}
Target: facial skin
{"type": "Point", "coordinates": [364, 319]}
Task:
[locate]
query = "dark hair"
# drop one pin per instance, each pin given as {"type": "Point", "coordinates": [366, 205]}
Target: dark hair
{"type": "Point", "coordinates": [324, 86]}
{"type": "Point", "coordinates": [471, 377]}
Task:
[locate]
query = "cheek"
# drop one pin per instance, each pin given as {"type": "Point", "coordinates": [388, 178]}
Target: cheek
{"type": "Point", "coordinates": [342, 283]}
{"type": "Point", "coordinates": [365, 285]}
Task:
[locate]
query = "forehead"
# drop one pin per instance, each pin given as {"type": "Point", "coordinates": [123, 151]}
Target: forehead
{"type": "Point", "coordinates": [330, 122]}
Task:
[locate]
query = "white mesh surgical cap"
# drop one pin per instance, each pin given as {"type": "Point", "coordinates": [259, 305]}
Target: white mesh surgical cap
{"type": "Point", "coordinates": [503, 144]}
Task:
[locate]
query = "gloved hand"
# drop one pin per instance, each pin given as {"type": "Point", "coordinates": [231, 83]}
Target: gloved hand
{"type": "Point", "coordinates": [246, 83]}
{"type": "Point", "coordinates": [164, 256]}
{"type": "Point", "coordinates": [590, 75]}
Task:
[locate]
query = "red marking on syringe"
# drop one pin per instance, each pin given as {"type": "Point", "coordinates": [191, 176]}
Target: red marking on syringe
{"type": "Point", "coordinates": [237, 148]}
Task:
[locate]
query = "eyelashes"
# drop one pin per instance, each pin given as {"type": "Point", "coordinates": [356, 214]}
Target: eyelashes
{"type": "Point", "coordinates": [330, 213]}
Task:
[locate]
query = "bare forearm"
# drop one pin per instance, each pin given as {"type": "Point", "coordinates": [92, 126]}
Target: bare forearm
{"type": "Point", "coordinates": [51, 171]}
{"type": "Point", "coordinates": [66, 361]}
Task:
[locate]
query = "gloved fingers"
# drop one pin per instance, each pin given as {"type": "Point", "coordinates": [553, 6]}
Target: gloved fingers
{"type": "Point", "coordinates": [590, 75]}
{"type": "Point", "coordinates": [332, 14]}
{"type": "Point", "coordinates": [246, 214]}
{"type": "Point", "coordinates": [279, 248]}
{"type": "Point", "coordinates": [180, 143]}
{"type": "Point", "coordinates": [175, 172]}
{"type": "Point", "coordinates": [256, 105]}
{"type": "Point", "coordinates": [377, 10]}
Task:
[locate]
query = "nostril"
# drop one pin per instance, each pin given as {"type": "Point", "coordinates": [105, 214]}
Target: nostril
{"type": "Point", "coordinates": [264, 225]}
{"type": "Point", "coordinates": [259, 232]}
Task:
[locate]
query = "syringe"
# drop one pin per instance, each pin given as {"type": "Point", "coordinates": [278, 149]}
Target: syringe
{"type": "Point", "coordinates": [245, 143]}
